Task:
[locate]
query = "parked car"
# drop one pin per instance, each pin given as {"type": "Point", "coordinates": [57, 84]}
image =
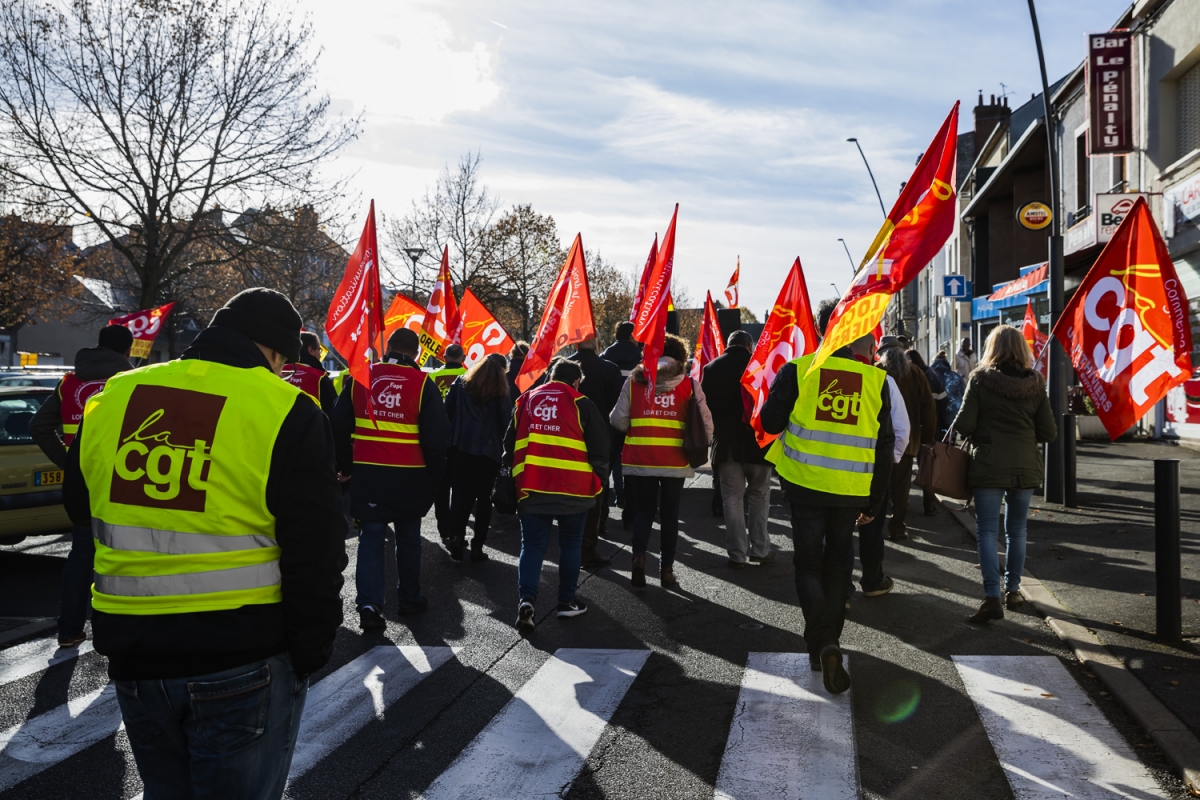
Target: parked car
{"type": "Point", "coordinates": [30, 483]}
{"type": "Point", "coordinates": [47, 379]}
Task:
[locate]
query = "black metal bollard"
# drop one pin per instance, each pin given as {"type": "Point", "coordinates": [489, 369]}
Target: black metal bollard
{"type": "Point", "coordinates": [1067, 431]}
{"type": "Point", "coordinates": [1167, 576]}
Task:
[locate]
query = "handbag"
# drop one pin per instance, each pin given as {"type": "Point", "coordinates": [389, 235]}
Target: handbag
{"type": "Point", "coordinates": [942, 468]}
{"type": "Point", "coordinates": [504, 495]}
{"type": "Point", "coordinates": [695, 437]}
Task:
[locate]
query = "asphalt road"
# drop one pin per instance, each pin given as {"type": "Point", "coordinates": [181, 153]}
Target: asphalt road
{"type": "Point", "coordinates": [646, 696]}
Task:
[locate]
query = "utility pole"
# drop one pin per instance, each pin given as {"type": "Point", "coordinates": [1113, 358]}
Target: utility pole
{"type": "Point", "coordinates": [1055, 492]}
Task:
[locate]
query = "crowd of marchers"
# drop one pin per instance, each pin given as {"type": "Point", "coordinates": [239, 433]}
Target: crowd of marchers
{"type": "Point", "coordinates": [212, 499]}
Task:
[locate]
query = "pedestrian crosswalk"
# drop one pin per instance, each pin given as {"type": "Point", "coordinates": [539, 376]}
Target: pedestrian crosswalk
{"type": "Point", "coordinates": [786, 736]}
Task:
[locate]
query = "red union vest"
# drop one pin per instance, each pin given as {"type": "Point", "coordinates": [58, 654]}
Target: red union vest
{"type": "Point", "coordinates": [73, 394]}
{"type": "Point", "coordinates": [305, 378]}
{"type": "Point", "coordinates": [656, 425]}
{"type": "Point", "coordinates": [387, 434]}
{"type": "Point", "coordinates": [550, 454]}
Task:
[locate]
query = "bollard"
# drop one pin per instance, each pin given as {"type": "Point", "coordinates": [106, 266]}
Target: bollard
{"type": "Point", "coordinates": [1070, 500]}
{"type": "Point", "coordinates": [1167, 577]}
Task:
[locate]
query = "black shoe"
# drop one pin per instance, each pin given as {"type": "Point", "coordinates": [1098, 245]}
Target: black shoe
{"type": "Point", "coordinates": [990, 609]}
{"type": "Point", "coordinates": [477, 553]}
{"type": "Point", "coordinates": [769, 558]}
{"type": "Point", "coordinates": [413, 608]}
{"type": "Point", "coordinates": [1012, 600]}
{"type": "Point", "coordinates": [370, 620]}
{"type": "Point", "coordinates": [883, 588]}
{"type": "Point", "coordinates": [592, 560]}
{"type": "Point", "coordinates": [575, 608]}
{"type": "Point", "coordinates": [525, 615]}
{"type": "Point", "coordinates": [898, 537]}
{"type": "Point", "coordinates": [456, 550]}
{"type": "Point", "coordinates": [931, 511]}
{"type": "Point", "coordinates": [814, 663]}
{"type": "Point", "coordinates": [737, 564]}
{"type": "Point", "coordinates": [637, 578]}
{"type": "Point", "coordinates": [72, 641]}
{"type": "Point", "coordinates": [836, 679]}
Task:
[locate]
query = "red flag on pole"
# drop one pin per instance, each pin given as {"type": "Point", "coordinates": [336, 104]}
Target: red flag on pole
{"type": "Point", "coordinates": [788, 334]}
{"type": "Point", "coordinates": [641, 287]}
{"type": "Point", "coordinates": [355, 318]}
{"type": "Point", "coordinates": [709, 344]}
{"type": "Point", "coordinates": [438, 327]}
{"type": "Point", "coordinates": [403, 313]}
{"type": "Point", "coordinates": [919, 224]}
{"type": "Point", "coordinates": [145, 327]}
{"type": "Point", "coordinates": [650, 319]}
{"type": "Point", "coordinates": [731, 291]}
{"type": "Point", "coordinates": [1035, 339]}
{"type": "Point", "coordinates": [482, 335]}
{"type": "Point", "coordinates": [567, 318]}
{"type": "Point", "coordinates": [1126, 328]}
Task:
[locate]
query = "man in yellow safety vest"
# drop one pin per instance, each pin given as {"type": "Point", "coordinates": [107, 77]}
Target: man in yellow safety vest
{"type": "Point", "coordinates": [210, 488]}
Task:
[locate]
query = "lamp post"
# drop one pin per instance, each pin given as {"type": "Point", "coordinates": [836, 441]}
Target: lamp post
{"type": "Point", "coordinates": [872, 174]}
{"type": "Point", "coordinates": [835, 288]}
{"type": "Point", "coordinates": [414, 253]}
{"type": "Point", "coordinates": [853, 269]}
{"type": "Point", "coordinates": [1055, 453]}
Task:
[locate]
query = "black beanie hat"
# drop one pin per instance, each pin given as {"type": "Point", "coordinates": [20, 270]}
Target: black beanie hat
{"type": "Point", "coordinates": [117, 338]}
{"type": "Point", "coordinates": [266, 317]}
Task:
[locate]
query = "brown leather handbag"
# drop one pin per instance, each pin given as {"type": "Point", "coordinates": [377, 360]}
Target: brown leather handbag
{"type": "Point", "coordinates": [942, 468]}
{"type": "Point", "coordinates": [695, 437]}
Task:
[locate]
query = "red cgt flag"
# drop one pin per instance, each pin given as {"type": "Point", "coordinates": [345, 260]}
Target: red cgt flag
{"type": "Point", "coordinates": [355, 318]}
{"type": "Point", "coordinates": [731, 291]}
{"type": "Point", "coordinates": [438, 328]}
{"type": "Point", "coordinates": [1035, 339]}
{"type": "Point", "coordinates": [650, 317]}
{"type": "Point", "coordinates": [641, 287]}
{"type": "Point", "coordinates": [919, 224]}
{"type": "Point", "coordinates": [481, 334]}
{"type": "Point", "coordinates": [403, 313]}
{"type": "Point", "coordinates": [788, 334]}
{"type": "Point", "coordinates": [145, 327]}
{"type": "Point", "coordinates": [1126, 328]}
{"type": "Point", "coordinates": [567, 318]}
{"type": "Point", "coordinates": [709, 343]}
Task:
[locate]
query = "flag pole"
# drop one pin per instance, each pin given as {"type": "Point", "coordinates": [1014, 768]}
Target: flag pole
{"type": "Point", "coordinates": [378, 287]}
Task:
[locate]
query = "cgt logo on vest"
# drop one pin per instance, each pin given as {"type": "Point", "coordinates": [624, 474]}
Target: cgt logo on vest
{"type": "Point", "coordinates": [163, 456]}
{"type": "Point", "coordinates": [666, 400]}
{"type": "Point", "coordinates": [545, 409]}
{"type": "Point", "coordinates": [840, 396]}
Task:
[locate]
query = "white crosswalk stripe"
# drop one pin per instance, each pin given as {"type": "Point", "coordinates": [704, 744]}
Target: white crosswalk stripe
{"type": "Point", "coordinates": [30, 658]}
{"type": "Point", "coordinates": [540, 740]}
{"type": "Point", "coordinates": [789, 737]}
{"type": "Point", "coordinates": [1051, 741]}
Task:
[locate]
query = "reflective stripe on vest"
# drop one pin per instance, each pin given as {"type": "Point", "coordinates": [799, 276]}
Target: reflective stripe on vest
{"type": "Point", "coordinates": [73, 395]}
{"type": "Point", "coordinates": [550, 455]}
{"type": "Point", "coordinates": [445, 377]}
{"type": "Point", "coordinates": [176, 463]}
{"type": "Point", "coordinates": [387, 434]}
{"type": "Point", "coordinates": [305, 378]}
{"type": "Point", "coordinates": [829, 443]}
{"type": "Point", "coordinates": [656, 426]}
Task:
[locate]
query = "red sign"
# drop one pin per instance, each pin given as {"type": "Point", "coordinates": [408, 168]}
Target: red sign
{"type": "Point", "coordinates": [1022, 284]}
{"type": "Point", "coordinates": [1110, 92]}
{"type": "Point", "coordinates": [145, 327]}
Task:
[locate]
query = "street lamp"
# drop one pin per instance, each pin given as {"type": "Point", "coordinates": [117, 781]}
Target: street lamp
{"type": "Point", "coordinates": [835, 288]}
{"type": "Point", "coordinates": [414, 253]}
{"type": "Point", "coordinates": [853, 269]}
{"type": "Point", "coordinates": [872, 174]}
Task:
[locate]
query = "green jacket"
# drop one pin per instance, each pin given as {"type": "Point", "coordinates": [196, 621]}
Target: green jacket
{"type": "Point", "coordinates": [1007, 415]}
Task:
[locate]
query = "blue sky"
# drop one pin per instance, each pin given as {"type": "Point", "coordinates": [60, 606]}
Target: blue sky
{"type": "Point", "coordinates": [604, 114]}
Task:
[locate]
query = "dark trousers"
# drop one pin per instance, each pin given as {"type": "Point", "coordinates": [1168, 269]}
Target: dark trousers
{"type": "Point", "coordinates": [901, 481]}
{"type": "Point", "coordinates": [614, 458]}
{"type": "Point", "coordinates": [822, 538]}
{"type": "Point", "coordinates": [597, 518]}
{"type": "Point", "coordinates": [718, 502]}
{"type": "Point", "coordinates": [870, 551]}
{"type": "Point", "coordinates": [474, 477]}
{"type": "Point", "coordinates": [370, 570]}
{"type": "Point", "coordinates": [77, 583]}
{"type": "Point", "coordinates": [661, 494]}
{"type": "Point", "coordinates": [441, 502]}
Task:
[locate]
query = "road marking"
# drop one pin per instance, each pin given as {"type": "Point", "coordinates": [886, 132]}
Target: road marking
{"type": "Point", "coordinates": [789, 737]}
{"type": "Point", "coordinates": [26, 659]}
{"type": "Point", "coordinates": [41, 742]}
{"type": "Point", "coordinates": [344, 701]}
{"type": "Point", "coordinates": [537, 744]}
{"type": "Point", "coordinates": [1050, 740]}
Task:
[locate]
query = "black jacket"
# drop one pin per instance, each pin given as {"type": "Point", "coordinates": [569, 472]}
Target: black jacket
{"type": "Point", "coordinates": [733, 439]}
{"type": "Point", "coordinates": [514, 368]}
{"type": "Point", "coordinates": [474, 429]}
{"type": "Point", "coordinates": [781, 399]}
{"type": "Point", "coordinates": [91, 364]}
{"type": "Point", "coordinates": [306, 501]}
{"type": "Point", "coordinates": [625, 353]}
{"type": "Point", "coordinates": [387, 494]}
{"type": "Point", "coordinates": [328, 394]}
{"type": "Point", "coordinates": [602, 380]}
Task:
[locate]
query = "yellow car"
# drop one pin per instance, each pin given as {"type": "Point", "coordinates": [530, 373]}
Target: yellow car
{"type": "Point", "coordinates": [30, 483]}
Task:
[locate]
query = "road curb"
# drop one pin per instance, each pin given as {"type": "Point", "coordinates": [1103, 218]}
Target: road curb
{"type": "Point", "coordinates": [1181, 746]}
{"type": "Point", "coordinates": [27, 631]}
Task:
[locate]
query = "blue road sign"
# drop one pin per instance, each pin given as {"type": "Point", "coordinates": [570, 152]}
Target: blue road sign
{"type": "Point", "coordinates": [955, 287]}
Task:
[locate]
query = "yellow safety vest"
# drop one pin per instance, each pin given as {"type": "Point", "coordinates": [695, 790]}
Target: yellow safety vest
{"type": "Point", "coordinates": [446, 376]}
{"type": "Point", "coordinates": [829, 442]}
{"type": "Point", "coordinates": [176, 460]}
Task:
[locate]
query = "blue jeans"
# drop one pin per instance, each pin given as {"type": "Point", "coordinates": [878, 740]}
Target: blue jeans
{"type": "Point", "coordinates": [77, 583]}
{"type": "Point", "coordinates": [987, 530]}
{"type": "Point", "coordinates": [369, 571]}
{"type": "Point", "coordinates": [229, 735]}
{"type": "Point", "coordinates": [535, 538]}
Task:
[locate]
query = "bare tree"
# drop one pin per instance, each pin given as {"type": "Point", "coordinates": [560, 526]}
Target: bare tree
{"type": "Point", "coordinates": [458, 212]}
{"type": "Point", "coordinates": [527, 253]}
{"type": "Point", "coordinates": [142, 116]}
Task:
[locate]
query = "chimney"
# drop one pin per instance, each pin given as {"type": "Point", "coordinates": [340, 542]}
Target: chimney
{"type": "Point", "coordinates": [987, 117]}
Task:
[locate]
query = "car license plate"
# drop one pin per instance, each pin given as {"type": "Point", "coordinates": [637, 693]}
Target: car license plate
{"type": "Point", "coordinates": [49, 477]}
